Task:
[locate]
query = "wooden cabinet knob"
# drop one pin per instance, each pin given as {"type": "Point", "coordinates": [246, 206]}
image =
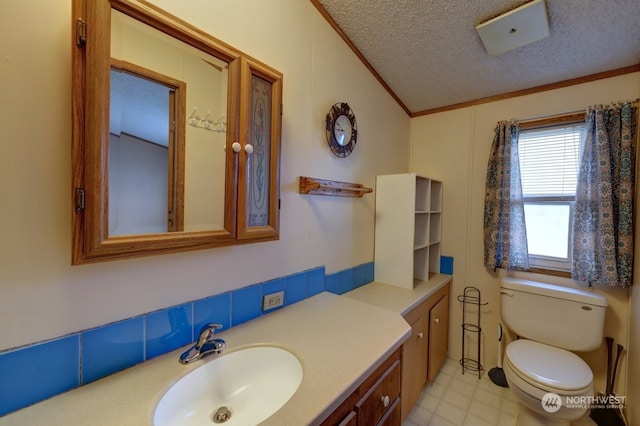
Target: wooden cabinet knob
{"type": "Point", "coordinates": [436, 320]}
{"type": "Point", "coordinates": [420, 335]}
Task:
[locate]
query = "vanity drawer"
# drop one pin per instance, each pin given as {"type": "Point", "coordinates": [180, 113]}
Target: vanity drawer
{"type": "Point", "coordinates": [393, 415]}
{"type": "Point", "coordinates": [365, 406]}
{"type": "Point", "coordinates": [350, 420]}
{"type": "Point", "coordinates": [383, 395]}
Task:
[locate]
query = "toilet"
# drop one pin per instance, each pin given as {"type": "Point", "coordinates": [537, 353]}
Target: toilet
{"type": "Point", "coordinates": [551, 322]}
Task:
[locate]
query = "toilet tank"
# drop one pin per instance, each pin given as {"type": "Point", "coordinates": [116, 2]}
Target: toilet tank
{"type": "Point", "coordinates": [559, 316]}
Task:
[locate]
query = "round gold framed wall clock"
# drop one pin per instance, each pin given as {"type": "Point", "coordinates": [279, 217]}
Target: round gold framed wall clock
{"type": "Point", "coordinates": [342, 129]}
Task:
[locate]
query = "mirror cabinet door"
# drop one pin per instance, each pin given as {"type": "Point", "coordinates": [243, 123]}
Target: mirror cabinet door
{"type": "Point", "coordinates": [157, 107]}
{"type": "Point", "coordinates": [260, 122]}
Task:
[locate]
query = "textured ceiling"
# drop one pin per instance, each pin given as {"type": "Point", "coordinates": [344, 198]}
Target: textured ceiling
{"type": "Point", "coordinates": [139, 107]}
{"type": "Point", "coordinates": [430, 55]}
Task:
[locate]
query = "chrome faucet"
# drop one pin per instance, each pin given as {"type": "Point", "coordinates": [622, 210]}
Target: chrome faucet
{"type": "Point", "coordinates": [205, 345]}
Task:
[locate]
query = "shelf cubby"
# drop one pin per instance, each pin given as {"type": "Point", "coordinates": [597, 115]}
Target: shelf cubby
{"type": "Point", "coordinates": [408, 229]}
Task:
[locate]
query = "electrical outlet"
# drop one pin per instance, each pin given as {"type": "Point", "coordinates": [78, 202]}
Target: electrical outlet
{"type": "Point", "coordinates": [273, 300]}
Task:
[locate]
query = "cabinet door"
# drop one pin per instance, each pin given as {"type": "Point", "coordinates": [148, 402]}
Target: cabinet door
{"type": "Point", "coordinates": [414, 364]}
{"type": "Point", "coordinates": [260, 126]}
{"type": "Point", "coordinates": [438, 335]}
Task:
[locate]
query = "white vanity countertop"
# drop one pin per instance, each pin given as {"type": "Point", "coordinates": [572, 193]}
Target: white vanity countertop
{"type": "Point", "coordinates": [338, 340]}
{"type": "Point", "coordinates": [398, 299]}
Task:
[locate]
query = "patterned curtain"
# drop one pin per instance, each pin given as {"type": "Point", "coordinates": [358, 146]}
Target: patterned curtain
{"type": "Point", "coordinates": [603, 222]}
{"type": "Point", "coordinates": [505, 234]}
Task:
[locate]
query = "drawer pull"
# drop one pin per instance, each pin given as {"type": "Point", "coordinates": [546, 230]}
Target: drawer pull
{"type": "Point", "coordinates": [420, 335]}
{"type": "Point", "coordinates": [436, 320]}
{"type": "Point", "coordinates": [385, 401]}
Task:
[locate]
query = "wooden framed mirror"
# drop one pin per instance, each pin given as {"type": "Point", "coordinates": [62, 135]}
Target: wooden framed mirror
{"type": "Point", "coordinates": [176, 136]}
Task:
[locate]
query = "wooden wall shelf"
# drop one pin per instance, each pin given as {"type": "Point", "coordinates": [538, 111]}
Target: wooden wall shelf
{"type": "Point", "coordinates": [314, 186]}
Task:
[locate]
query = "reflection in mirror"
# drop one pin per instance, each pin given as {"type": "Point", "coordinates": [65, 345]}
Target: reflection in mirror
{"type": "Point", "coordinates": [170, 173]}
{"type": "Point", "coordinates": [139, 142]}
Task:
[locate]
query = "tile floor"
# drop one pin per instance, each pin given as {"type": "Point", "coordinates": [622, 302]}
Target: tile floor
{"type": "Point", "coordinates": [456, 399]}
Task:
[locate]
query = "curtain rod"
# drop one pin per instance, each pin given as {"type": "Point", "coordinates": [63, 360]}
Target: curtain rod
{"type": "Point", "coordinates": [635, 103]}
{"type": "Point", "coordinates": [550, 116]}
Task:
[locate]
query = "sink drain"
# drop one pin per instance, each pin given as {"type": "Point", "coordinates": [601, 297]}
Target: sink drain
{"type": "Point", "coordinates": [221, 415]}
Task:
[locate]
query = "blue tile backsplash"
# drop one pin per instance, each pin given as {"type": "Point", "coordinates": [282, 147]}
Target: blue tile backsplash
{"type": "Point", "coordinates": [39, 371]}
{"type": "Point", "coordinates": [246, 304]}
{"type": "Point", "coordinates": [297, 288]}
{"type": "Point", "coordinates": [111, 348]}
{"type": "Point", "coordinates": [315, 281]}
{"type": "Point", "coordinates": [168, 329]}
{"type": "Point", "coordinates": [349, 279]}
{"type": "Point", "coordinates": [446, 265]}
{"type": "Point", "coordinates": [216, 309]}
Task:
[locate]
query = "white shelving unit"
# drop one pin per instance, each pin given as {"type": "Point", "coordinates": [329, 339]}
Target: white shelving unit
{"type": "Point", "coordinates": [408, 229]}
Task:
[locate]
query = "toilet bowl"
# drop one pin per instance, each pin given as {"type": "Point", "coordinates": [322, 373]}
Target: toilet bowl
{"type": "Point", "coordinates": [543, 373]}
{"type": "Point", "coordinates": [534, 370]}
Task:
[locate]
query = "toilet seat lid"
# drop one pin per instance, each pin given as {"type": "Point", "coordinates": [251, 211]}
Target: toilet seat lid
{"type": "Point", "coordinates": [551, 367]}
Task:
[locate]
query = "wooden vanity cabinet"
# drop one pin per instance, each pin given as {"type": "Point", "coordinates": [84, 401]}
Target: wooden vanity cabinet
{"type": "Point", "coordinates": [425, 351]}
{"type": "Point", "coordinates": [376, 401]}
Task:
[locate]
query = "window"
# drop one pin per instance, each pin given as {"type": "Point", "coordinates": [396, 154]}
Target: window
{"type": "Point", "coordinates": [549, 170]}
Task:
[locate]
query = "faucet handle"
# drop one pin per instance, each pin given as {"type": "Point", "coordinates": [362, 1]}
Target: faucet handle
{"type": "Point", "coordinates": [210, 327]}
{"type": "Point", "coordinates": [207, 332]}
{"type": "Point", "coordinates": [204, 345]}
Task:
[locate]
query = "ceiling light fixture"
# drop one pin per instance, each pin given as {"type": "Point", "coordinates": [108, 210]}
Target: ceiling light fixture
{"type": "Point", "coordinates": [520, 26]}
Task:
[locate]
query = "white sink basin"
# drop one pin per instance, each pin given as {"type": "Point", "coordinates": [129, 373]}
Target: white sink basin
{"type": "Point", "coordinates": [251, 383]}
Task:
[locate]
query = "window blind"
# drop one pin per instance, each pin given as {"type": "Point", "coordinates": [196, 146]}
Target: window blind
{"type": "Point", "coordinates": [549, 160]}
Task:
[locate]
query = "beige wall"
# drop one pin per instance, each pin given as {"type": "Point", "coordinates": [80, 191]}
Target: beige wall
{"type": "Point", "coordinates": [42, 296]}
{"type": "Point", "coordinates": [454, 147]}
